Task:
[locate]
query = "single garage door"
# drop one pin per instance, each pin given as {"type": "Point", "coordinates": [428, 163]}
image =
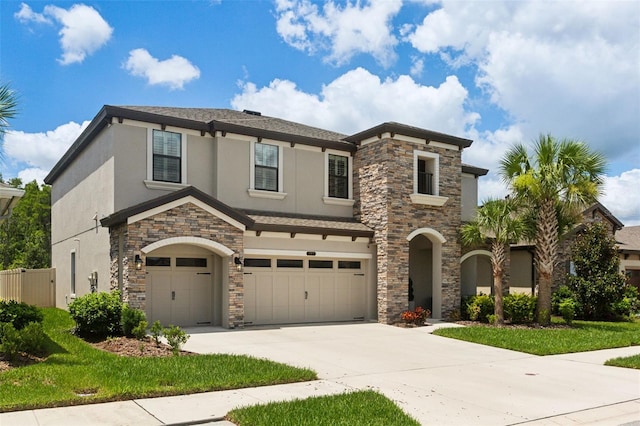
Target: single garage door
{"type": "Point", "coordinates": [281, 291]}
{"type": "Point", "coordinates": [180, 290]}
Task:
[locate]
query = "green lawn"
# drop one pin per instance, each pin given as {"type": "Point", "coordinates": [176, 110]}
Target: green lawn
{"type": "Point", "coordinates": [356, 408]}
{"type": "Point", "coordinates": [582, 336]}
{"type": "Point", "coordinates": [627, 362]}
{"type": "Point", "coordinates": [75, 367]}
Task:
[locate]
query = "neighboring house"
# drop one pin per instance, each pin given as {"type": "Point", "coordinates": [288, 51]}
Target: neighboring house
{"type": "Point", "coordinates": [520, 274]}
{"type": "Point", "coordinates": [9, 197]}
{"type": "Point", "coordinates": [628, 239]}
{"type": "Point", "coordinates": [222, 217]}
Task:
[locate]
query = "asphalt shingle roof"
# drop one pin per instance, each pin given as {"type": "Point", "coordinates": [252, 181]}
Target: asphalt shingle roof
{"type": "Point", "coordinates": [628, 238]}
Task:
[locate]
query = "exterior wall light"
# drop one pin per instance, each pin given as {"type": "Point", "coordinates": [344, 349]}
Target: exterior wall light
{"type": "Point", "coordinates": [138, 262]}
{"type": "Point", "coordinates": [238, 262]}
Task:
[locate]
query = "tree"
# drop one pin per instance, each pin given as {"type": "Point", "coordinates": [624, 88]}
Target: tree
{"type": "Point", "coordinates": [498, 221]}
{"type": "Point", "coordinates": [26, 235]}
{"type": "Point", "coordinates": [598, 284]}
{"type": "Point", "coordinates": [8, 109]}
{"type": "Point", "coordinates": [557, 176]}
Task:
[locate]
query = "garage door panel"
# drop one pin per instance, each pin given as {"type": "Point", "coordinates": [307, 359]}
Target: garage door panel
{"type": "Point", "coordinates": [264, 296]}
{"type": "Point", "coordinates": [201, 301]}
{"type": "Point", "coordinates": [250, 298]}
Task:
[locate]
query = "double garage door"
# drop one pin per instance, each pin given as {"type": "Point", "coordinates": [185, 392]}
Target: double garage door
{"type": "Point", "coordinates": [280, 291]}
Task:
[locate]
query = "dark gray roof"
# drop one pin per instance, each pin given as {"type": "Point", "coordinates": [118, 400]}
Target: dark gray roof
{"type": "Point", "coordinates": [416, 132]}
{"type": "Point", "coordinates": [473, 170]}
{"type": "Point", "coordinates": [254, 221]}
{"type": "Point", "coordinates": [205, 120]}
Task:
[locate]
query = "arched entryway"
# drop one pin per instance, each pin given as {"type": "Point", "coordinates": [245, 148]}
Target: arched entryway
{"type": "Point", "coordinates": [475, 273]}
{"type": "Point", "coordinates": [184, 281]}
{"type": "Point", "coordinates": [425, 269]}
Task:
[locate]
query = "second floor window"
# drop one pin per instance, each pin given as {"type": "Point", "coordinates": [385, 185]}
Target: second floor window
{"type": "Point", "coordinates": [338, 176]}
{"type": "Point", "coordinates": [425, 177]}
{"type": "Point", "coordinates": [167, 161]}
{"type": "Point", "coordinates": [266, 167]}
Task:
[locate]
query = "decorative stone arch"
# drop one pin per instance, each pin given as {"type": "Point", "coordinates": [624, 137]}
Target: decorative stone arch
{"type": "Point", "coordinates": [473, 274]}
{"type": "Point", "coordinates": [213, 246]}
{"type": "Point", "coordinates": [437, 240]}
{"type": "Point", "coordinates": [475, 253]}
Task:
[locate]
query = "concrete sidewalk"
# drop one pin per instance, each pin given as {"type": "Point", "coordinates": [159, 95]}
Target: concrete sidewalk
{"type": "Point", "coordinates": [436, 380]}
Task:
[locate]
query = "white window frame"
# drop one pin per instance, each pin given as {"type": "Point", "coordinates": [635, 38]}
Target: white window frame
{"type": "Point", "coordinates": [349, 201]}
{"type": "Point", "coordinates": [154, 184]}
{"type": "Point", "coordinates": [427, 199]}
{"type": "Point", "coordinates": [259, 193]}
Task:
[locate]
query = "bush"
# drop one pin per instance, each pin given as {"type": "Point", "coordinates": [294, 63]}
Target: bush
{"type": "Point", "coordinates": [140, 330]}
{"type": "Point", "coordinates": [156, 332]}
{"type": "Point", "coordinates": [176, 337]}
{"type": "Point", "coordinates": [519, 308]}
{"type": "Point", "coordinates": [9, 340]}
{"type": "Point", "coordinates": [131, 318]}
{"type": "Point", "coordinates": [417, 316]}
{"type": "Point", "coordinates": [32, 338]}
{"type": "Point", "coordinates": [97, 314]}
{"type": "Point", "coordinates": [480, 307]}
{"type": "Point", "coordinates": [598, 285]}
{"type": "Point", "coordinates": [563, 292]}
{"type": "Point", "coordinates": [567, 309]}
{"type": "Point", "coordinates": [19, 314]}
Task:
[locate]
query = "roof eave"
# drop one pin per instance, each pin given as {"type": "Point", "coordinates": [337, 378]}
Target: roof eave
{"type": "Point", "coordinates": [396, 128]}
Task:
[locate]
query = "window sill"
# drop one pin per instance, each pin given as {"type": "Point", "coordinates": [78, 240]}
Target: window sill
{"type": "Point", "coordinates": [338, 201]}
{"type": "Point", "coordinates": [168, 186]}
{"type": "Point", "coordinates": [258, 193]}
{"type": "Point", "coordinates": [428, 200]}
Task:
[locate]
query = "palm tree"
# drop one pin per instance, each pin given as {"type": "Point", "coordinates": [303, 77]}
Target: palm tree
{"type": "Point", "coordinates": [8, 109]}
{"type": "Point", "coordinates": [498, 221]}
{"type": "Point", "coordinates": [557, 176]}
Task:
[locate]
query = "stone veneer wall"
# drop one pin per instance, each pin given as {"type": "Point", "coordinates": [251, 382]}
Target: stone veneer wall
{"type": "Point", "coordinates": [186, 220]}
{"type": "Point", "coordinates": [383, 182]}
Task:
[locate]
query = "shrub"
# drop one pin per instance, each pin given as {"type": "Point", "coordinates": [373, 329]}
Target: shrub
{"type": "Point", "coordinates": [176, 337]}
{"type": "Point", "coordinates": [156, 332]}
{"type": "Point", "coordinates": [563, 292]}
{"type": "Point", "coordinates": [417, 316]}
{"type": "Point", "coordinates": [598, 285]}
{"type": "Point", "coordinates": [9, 340]}
{"type": "Point", "coordinates": [19, 314]}
{"type": "Point", "coordinates": [97, 314]}
{"type": "Point", "coordinates": [140, 330]}
{"type": "Point", "coordinates": [519, 308]}
{"type": "Point", "coordinates": [131, 318]}
{"type": "Point", "coordinates": [480, 307]}
{"type": "Point", "coordinates": [32, 338]}
{"type": "Point", "coordinates": [567, 309]}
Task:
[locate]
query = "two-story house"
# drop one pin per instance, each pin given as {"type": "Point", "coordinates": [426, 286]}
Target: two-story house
{"type": "Point", "coordinates": [222, 217]}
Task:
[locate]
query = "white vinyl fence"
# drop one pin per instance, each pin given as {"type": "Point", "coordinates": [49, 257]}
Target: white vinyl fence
{"type": "Point", "coordinates": [32, 286]}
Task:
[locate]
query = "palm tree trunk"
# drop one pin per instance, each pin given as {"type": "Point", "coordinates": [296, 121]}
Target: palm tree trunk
{"type": "Point", "coordinates": [497, 260]}
{"type": "Point", "coordinates": [546, 252]}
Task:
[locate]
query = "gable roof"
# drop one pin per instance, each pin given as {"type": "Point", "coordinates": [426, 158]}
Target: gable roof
{"type": "Point", "coordinates": [598, 207]}
{"type": "Point", "coordinates": [416, 132]}
{"type": "Point", "coordinates": [252, 220]}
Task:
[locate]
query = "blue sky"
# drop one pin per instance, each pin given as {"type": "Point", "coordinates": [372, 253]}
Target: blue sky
{"type": "Point", "coordinates": [497, 72]}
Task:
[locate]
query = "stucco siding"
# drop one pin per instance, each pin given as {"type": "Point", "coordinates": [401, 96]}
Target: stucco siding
{"type": "Point", "coordinates": [469, 197]}
{"type": "Point", "coordinates": [75, 227]}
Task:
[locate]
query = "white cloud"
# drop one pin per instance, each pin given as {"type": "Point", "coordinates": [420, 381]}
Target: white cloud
{"type": "Point", "coordinates": [41, 150]}
{"type": "Point", "coordinates": [565, 67]}
{"type": "Point", "coordinates": [26, 15]}
{"type": "Point", "coordinates": [417, 66]}
{"type": "Point", "coordinates": [83, 30]}
{"type": "Point", "coordinates": [346, 104]}
{"type": "Point", "coordinates": [343, 31]}
{"type": "Point", "coordinates": [173, 72]}
{"type": "Point", "coordinates": [622, 198]}
{"type": "Point", "coordinates": [31, 174]}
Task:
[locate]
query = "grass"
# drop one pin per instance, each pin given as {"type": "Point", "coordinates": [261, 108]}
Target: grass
{"type": "Point", "coordinates": [356, 408]}
{"type": "Point", "coordinates": [582, 336]}
{"type": "Point", "coordinates": [74, 367]}
{"type": "Point", "coordinates": [627, 362]}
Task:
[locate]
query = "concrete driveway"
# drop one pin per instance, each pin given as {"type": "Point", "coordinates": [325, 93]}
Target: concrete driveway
{"type": "Point", "coordinates": [443, 381]}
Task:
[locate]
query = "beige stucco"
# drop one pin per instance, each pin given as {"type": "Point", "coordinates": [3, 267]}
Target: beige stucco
{"type": "Point", "coordinates": [521, 271]}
